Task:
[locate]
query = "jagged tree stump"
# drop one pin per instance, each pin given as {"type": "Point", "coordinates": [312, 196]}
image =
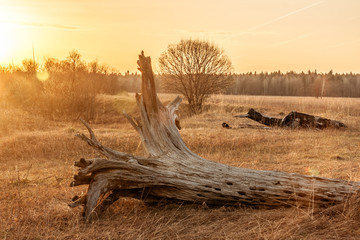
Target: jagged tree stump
{"type": "Point", "coordinates": [173, 172]}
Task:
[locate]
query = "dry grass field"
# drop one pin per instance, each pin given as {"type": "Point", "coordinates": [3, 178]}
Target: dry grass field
{"type": "Point", "coordinates": [37, 155]}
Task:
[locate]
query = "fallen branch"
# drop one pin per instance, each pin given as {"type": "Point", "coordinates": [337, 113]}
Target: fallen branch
{"type": "Point", "coordinates": [293, 120]}
{"type": "Point", "coordinates": [227, 126]}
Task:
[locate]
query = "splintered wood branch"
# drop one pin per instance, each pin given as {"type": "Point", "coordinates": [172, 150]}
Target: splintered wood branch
{"type": "Point", "coordinates": [174, 173]}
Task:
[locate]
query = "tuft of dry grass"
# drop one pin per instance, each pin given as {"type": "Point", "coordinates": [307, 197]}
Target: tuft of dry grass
{"type": "Point", "coordinates": [37, 155]}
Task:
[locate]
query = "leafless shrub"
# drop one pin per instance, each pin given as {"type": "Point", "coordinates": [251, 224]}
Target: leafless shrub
{"type": "Point", "coordinates": [67, 89]}
{"type": "Point", "coordinates": [195, 69]}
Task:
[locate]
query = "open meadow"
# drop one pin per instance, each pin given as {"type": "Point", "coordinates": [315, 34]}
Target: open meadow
{"type": "Point", "coordinates": [37, 155]}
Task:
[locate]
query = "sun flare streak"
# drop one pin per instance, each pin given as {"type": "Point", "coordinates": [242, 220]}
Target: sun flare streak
{"type": "Point", "coordinates": [286, 15]}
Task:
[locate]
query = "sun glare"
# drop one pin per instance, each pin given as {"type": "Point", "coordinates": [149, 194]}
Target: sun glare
{"type": "Point", "coordinates": [6, 42]}
{"type": "Point", "coordinates": [8, 33]}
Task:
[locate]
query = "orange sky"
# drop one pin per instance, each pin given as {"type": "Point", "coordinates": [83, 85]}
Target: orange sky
{"type": "Point", "coordinates": [257, 35]}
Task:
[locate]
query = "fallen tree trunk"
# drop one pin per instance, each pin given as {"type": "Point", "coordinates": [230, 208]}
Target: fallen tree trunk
{"type": "Point", "coordinates": [293, 120]}
{"type": "Point", "coordinates": [173, 172]}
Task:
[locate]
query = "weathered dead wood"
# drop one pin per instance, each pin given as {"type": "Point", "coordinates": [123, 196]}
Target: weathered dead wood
{"type": "Point", "coordinates": [293, 120]}
{"type": "Point", "coordinates": [227, 126]}
{"type": "Point", "coordinates": [171, 171]}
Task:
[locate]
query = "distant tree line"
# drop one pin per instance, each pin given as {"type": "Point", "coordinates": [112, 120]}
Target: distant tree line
{"type": "Point", "coordinates": [297, 84]}
{"type": "Point", "coordinates": [274, 84]}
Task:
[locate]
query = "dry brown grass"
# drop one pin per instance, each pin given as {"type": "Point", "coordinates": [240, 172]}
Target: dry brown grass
{"type": "Point", "coordinates": [36, 157]}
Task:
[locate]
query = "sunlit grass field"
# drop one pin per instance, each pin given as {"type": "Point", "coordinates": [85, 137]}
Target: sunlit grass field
{"type": "Point", "coordinates": [37, 155]}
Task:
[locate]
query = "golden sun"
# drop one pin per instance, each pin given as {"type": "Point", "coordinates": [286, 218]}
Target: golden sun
{"type": "Point", "coordinates": [6, 42]}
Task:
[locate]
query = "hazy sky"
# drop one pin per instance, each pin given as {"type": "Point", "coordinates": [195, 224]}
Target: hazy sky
{"type": "Point", "coordinates": [257, 35]}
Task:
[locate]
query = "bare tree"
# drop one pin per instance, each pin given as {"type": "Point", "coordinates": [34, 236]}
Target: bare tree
{"type": "Point", "coordinates": [75, 64]}
{"type": "Point", "coordinates": [30, 66]}
{"type": "Point", "coordinates": [195, 69]}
